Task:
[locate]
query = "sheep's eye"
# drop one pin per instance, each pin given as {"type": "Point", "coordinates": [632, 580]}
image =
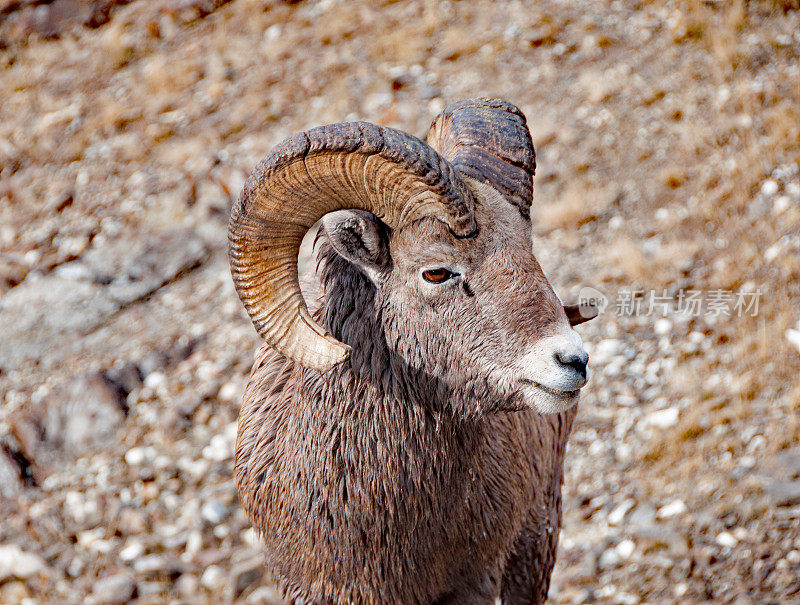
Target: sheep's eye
{"type": "Point", "coordinates": [437, 276]}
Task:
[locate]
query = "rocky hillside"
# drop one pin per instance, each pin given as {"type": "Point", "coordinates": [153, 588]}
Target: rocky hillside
{"type": "Point", "coordinates": [668, 180]}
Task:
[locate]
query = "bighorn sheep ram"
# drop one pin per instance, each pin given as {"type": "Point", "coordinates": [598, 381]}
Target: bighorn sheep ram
{"type": "Point", "coordinates": [404, 440]}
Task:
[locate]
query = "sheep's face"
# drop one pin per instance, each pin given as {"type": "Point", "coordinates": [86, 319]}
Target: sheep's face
{"type": "Point", "coordinates": [477, 314]}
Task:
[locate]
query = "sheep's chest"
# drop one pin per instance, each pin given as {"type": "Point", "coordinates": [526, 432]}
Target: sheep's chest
{"type": "Point", "coordinates": [373, 500]}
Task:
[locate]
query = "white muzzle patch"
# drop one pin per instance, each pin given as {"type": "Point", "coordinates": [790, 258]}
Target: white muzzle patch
{"type": "Point", "coordinates": [553, 371]}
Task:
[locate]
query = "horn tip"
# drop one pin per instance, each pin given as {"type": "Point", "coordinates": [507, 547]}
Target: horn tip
{"type": "Point", "coordinates": [333, 357]}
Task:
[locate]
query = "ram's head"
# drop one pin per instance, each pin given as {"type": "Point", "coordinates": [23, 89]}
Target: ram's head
{"type": "Point", "coordinates": [441, 230]}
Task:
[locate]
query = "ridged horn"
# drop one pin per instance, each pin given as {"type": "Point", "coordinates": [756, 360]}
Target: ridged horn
{"type": "Point", "coordinates": [357, 165]}
{"type": "Point", "coordinates": [488, 140]}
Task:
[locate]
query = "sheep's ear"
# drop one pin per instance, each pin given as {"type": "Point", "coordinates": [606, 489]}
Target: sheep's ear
{"type": "Point", "coordinates": [577, 314]}
{"type": "Point", "coordinates": [360, 238]}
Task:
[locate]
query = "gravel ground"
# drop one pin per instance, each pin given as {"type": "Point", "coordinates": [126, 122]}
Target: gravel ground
{"type": "Point", "coordinates": [667, 141]}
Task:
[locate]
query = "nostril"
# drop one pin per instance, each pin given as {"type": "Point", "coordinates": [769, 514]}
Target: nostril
{"type": "Point", "coordinates": [575, 361]}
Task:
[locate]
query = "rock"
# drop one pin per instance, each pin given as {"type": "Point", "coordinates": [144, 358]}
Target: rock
{"type": "Point", "coordinates": [228, 392]}
{"type": "Point", "coordinates": [663, 419]}
{"type": "Point", "coordinates": [756, 443]}
{"type": "Point", "coordinates": [245, 575]}
{"type": "Point", "coordinates": [12, 469]}
{"type": "Point", "coordinates": [53, 20]}
{"type": "Point", "coordinates": [174, 540]}
{"type": "Point", "coordinates": [781, 204]}
{"type": "Point", "coordinates": [36, 314]}
{"type": "Point", "coordinates": [76, 567]}
{"type": "Point", "coordinates": [655, 534]}
{"type": "Point", "coordinates": [770, 254]}
{"type": "Point", "coordinates": [214, 512]}
{"type": "Point", "coordinates": [133, 550]}
{"type": "Point", "coordinates": [134, 269]}
{"type": "Point", "coordinates": [606, 349]}
{"type": "Point", "coordinates": [154, 361]}
{"type": "Point", "coordinates": [609, 558]}
{"type": "Point", "coordinates": [266, 595]}
{"type": "Point", "coordinates": [187, 584]}
{"type": "Point", "coordinates": [151, 564]}
{"type": "Point", "coordinates": [179, 416]}
{"type": "Point", "coordinates": [114, 589]}
{"type": "Point", "coordinates": [93, 540]}
{"type": "Point", "coordinates": [155, 380]}
{"type": "Point", "coordinates": [769, 188]}
{"type": "Point", "coordinates": [726, 539]}
{"type": "Point", "coordinates": [150, 588]}
{"type": "Point", "coordinates": [784, 493]}
{"type": "Point", "coordinates": [213, 578]}
{"type": "Point", "coordinates": [218, 449]}
{"type": "Point", "coordinates": [187, 403]}
{"type": "Point", "coordinates": [793, 336]}
{"type": "Point", "coordinates": [626, 598]}
{"type": "Point", "coordinates": [140, 455]}
{"type": "Point", "coordinates": [12, 273]}
{"type": "Point", "coordinates": [131, 521]}
{"type": "Point", "coordinates": [39, 315]}
{"type": "Point", "coordinates": [83, 415]}
{"type": "Point", "coordinates": [250, 538]}
{"type": "Point", "coordinates": [789, 461]}
{"type": "Point", "coordinates": [16, 563]}
{"type": "Point", "coordinates": [673, 509]}
{"type": "Point", "coordinates": [194, 542]}
{"type": "Point", "coordinates": [90, 415]}
{"type": "Point", "coordinates": [616, 516]}
{"type": "Point", "coordinates": [126, 376]}
{"type": "Point", "coordinates": [79, 507]}
{"type": "Point", "coordinates": [662, 326]}
{"type": "Point", "coordinates": [625, 549]}
{"type": "Point", "coordinates": [14, 592]}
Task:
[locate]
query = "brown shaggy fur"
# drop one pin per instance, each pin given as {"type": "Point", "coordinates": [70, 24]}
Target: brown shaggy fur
{"type": "Point", "coordinates": [408, 474]}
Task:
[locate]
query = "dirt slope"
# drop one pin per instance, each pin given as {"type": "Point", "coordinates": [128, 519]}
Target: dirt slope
{"type": "Point", "coordinates": [668, 162]}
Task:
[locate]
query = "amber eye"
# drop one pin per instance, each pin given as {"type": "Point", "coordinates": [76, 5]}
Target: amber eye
{"type": "Point", "coordinates": [437, 276]}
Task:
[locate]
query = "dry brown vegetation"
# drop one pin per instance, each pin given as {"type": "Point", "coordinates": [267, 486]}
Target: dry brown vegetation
{"type": "Point", "coordinates": [668, 159]}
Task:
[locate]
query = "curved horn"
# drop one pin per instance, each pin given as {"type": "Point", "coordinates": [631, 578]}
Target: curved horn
{"type": "Point", "coordinates": [358, 165]}
{"type": "Point", "coordinates": [488, 140]}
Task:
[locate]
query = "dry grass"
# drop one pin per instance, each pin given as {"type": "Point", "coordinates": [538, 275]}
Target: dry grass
{"type": "Point", "coordinates": [760, 120]}
{"type": "Point", "coordinates": [578, 204]}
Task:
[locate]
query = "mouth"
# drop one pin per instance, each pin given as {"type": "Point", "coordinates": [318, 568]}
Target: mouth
{"type": "Point", "coordinates": [547, 400]}
{"type": "Point", "coordinates": [554, 392]}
